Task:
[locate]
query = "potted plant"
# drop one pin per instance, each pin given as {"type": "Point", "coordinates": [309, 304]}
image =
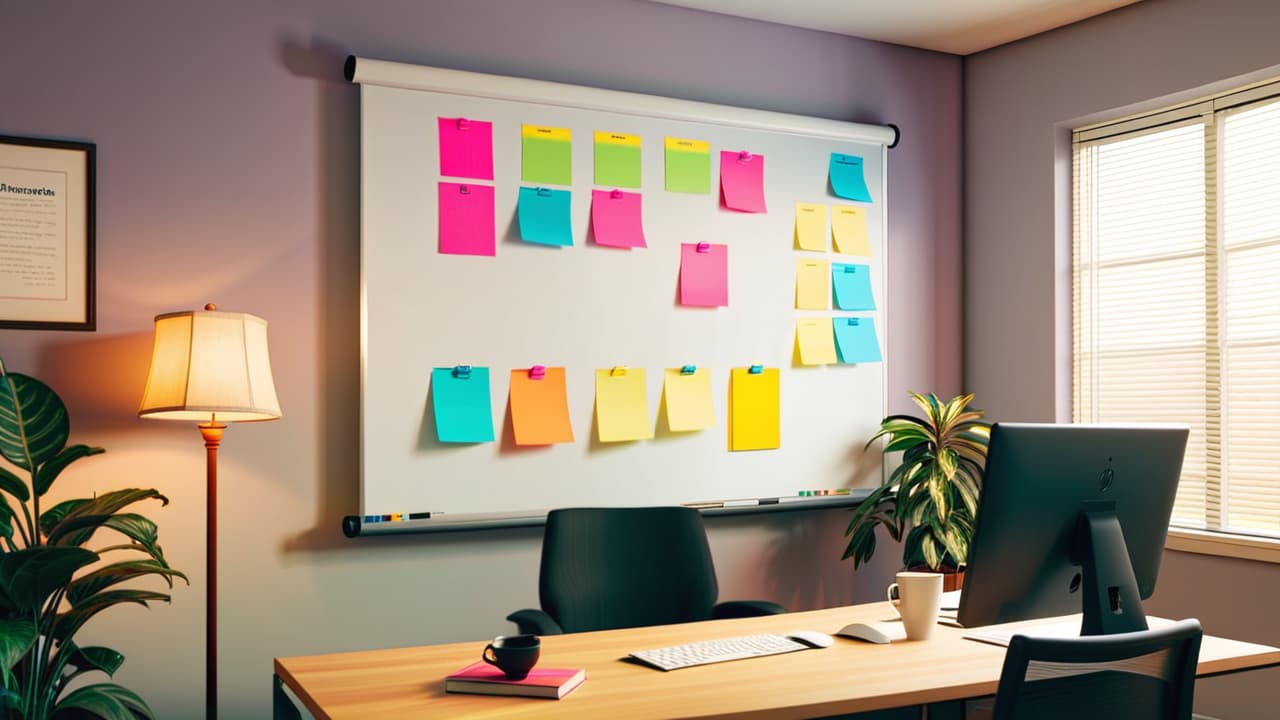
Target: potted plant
{"type": "Point", "coordinates": [51, 581]}
{"type": "Point", "coordinates": [934, 491]}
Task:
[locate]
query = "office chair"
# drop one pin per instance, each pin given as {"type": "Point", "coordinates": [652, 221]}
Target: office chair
{"type": "Point", "coordinates": [606, 568]}
{"type": "Point", "coordinates": [1146, 675]}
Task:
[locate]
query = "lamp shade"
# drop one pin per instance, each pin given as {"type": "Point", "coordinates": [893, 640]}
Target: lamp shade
{"type": "Point", "coordinates": [209, 365]}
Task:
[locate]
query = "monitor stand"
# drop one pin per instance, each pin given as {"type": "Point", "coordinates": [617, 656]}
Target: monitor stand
{"type": "Point", "coordinates": [1111, 601]}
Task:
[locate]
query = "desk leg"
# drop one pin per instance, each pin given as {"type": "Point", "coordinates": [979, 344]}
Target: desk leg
{"type": "Point", "coordinates": [282, 708]}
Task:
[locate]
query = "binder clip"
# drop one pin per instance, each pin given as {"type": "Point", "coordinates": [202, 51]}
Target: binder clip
{"type": "Point", "coordinates": [703, 247]}
{"type": "Point", "coordinates": [462, 372]}
{"type": "Point", "coordinates": [755, 370]}
{"type": "Point", "coordinates": [853, 322]}
{"type": "Point", "coordinates": [464, 190]}
{"type": "Point", "coordinates": [464, 124]}
{"type": "Point", "coordinates": [618, 371]}
{"type": "Point", "coordinates": [537, 372]}
{"type": "Point", "coordinates": [543, 192]}
{"type": "Point", "coordinates": [616, 194]}
{"type": "Point", "coordinates": [688, 369]}
{"type": "Point", "coordinates": [744, 156]}
{"type": "Point", "coordinates": [851, 268]}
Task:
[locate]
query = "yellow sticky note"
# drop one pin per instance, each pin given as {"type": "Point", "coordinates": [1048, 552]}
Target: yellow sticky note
{"type": "Point", "coordinates": [849, 230]}
{"type": "Point", "coordinates": [816, 340]}
{"type": "Point", "coordinates": [811, 226]}
{"type": "Point", "coordinates": [688, 399]}
{"type": "Point", "coordinates": [755, 418]}
{"type": "Point", "coordinates": [622, 405]}
{"type": "Point", "coordinates": [812, 289]}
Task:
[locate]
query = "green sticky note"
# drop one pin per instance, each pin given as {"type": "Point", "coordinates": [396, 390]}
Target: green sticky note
{"type": "Point", "coordinates": [546, 155]}
{"type": "Point", "coordinates": [617, 159]}
{"type": "Point", "coordinates": [688, 165]}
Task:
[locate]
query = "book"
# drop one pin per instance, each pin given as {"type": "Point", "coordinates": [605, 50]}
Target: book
{"type": "Point", "coordinates": [485, 679]}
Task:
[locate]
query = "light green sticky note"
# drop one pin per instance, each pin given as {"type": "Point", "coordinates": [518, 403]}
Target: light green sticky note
{"type": "Point", "coordinates": [688, 165]}
{"type": "Point", "coordinates": [546, 155]}
{"type": "Point", "coordinates": [617, 159]}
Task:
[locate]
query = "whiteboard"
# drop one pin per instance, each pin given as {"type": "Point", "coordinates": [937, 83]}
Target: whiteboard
{"type": "Point", "coordinates": [588, 307]}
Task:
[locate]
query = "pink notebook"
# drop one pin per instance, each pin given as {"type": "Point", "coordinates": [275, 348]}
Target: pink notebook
{"type": "Point", "coordinates": [485, 679]}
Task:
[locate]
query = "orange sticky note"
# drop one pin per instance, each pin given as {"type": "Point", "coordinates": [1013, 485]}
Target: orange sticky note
{"type": "Point", "coordinates": [540, 407]}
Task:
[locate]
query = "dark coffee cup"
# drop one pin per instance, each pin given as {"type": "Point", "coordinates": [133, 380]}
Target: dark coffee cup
{"type": "Point", "coordinates": [514, 655]}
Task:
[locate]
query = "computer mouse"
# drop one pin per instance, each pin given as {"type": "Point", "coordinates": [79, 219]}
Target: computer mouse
{"type": "Point", "coordinates": [863, 631]}
{"type": "Point", "coordinates": [812, 638]}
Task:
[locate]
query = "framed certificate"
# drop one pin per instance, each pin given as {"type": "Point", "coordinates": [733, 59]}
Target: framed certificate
{"type": "Point", "coordinates": [46, 234]}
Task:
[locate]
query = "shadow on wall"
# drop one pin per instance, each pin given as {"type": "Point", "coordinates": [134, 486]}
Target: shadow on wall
{"type": "Point", "coordinates": [337, 293]}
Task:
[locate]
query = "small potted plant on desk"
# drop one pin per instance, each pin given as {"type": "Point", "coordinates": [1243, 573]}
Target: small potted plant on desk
{"type": "Point", "coordinates": [933, 492]}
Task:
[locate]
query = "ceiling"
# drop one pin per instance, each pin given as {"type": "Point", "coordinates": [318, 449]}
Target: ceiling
{"type": "Point", "coordinates": [960, 27]}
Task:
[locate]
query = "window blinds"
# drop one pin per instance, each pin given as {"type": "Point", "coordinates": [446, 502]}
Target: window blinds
{"type": "Point", "coordinates": [1176, 296]}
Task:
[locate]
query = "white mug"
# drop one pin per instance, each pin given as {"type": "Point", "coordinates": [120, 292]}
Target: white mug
{"type": "Point", "coordinates": [918, 599]}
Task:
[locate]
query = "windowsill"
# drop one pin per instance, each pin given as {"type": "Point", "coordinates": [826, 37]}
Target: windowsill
{"type": "Point", "coordinates": [1211, 543]}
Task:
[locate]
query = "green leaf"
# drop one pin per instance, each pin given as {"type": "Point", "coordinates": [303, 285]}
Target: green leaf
{"type": "Point", "coordinates": [102, 659]}
{"type": "Point", "coordinates": [105, 504]}
{"type": "Point", "coordinates": [55, 514]}
{"type": "Point", "coordinates": [16, 639]}
{"type": "Point", "coordinates": [33, 421]}
{"type": "Point", "coordinates": [77, 530]}
{"type": "Point", "coordinates": [106, 701]}
{"type": "Point", "coordinates": [104, 577]}
{"type": "Point", "coordinates": [30, 575]}
{"type": "Point", "coordinates": [14, 485]}
{"type": "Point", "coordinates": [69, 622]}
{"type": "Point", "coordinates": [53, 468]}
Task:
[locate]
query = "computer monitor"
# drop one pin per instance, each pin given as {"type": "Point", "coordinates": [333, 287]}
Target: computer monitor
{"type": "Point", "coordinates": [1072, 518]}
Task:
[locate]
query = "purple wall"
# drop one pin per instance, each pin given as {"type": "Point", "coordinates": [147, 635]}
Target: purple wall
{"type": "Point", "coordinates": [1020, 102]}
{"type": "Point", "coordinates": [228, 172]}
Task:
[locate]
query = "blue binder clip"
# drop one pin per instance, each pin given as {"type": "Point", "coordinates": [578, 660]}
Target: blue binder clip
{"type": "Point", "coordinates": [688, 369]}
{"type": "Point", "coordinates": [544, 192]}
{"type": "Point", "coordinates": [853, 322]}
{"type": "Point", "coordinates": [755, 369]}
{"type": "Point", "coordinates": [462, 372]}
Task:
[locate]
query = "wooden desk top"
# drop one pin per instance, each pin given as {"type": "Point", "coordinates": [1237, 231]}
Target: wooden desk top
{"type": "Point", "coordinates": [852, 676]}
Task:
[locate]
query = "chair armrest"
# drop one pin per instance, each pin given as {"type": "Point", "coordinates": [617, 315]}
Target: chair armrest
{"type": "Point", "coordinates": [746, 608]}
{"type": "Point", "coordinates": [535, 622]}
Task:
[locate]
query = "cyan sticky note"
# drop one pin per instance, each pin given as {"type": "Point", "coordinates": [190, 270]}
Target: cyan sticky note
{"type": "Point", "coordinates": [847, 180]}
{"type": "Point", "coordinates": [856, 340]}
{"type": "Point", "coordinates": [852, 287]}
{"type": "Point", "coordinates": [544, 216]}
{"type": "Point", "coordinates": [462, 406]}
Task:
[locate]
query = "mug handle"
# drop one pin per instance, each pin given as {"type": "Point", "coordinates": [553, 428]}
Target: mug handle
{"type": "Point", "coordinates": [892, 594]}
{"type": "Point", "coordinates": [487, 658]}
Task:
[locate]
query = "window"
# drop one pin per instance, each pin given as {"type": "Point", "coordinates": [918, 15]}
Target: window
{"type": "Point", "coordinates": [1176, 295]}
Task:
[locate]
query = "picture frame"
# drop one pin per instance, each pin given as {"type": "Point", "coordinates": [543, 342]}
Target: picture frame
{"type": "Point", "coordinates": [47, 234]}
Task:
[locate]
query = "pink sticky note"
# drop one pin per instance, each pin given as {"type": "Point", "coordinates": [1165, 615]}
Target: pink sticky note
{"type": "Point", "coordinates": [466, 219]}
{"type": "Point", "coordinates": [742, 181]}
{"type": "Point", "coordinates": [466, 148]}
{"type": "Point", "coordinates": [704, 274]}
{"type": "Point", "coordinates": [615, 218]}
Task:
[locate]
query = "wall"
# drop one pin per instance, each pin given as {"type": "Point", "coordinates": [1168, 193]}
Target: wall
{"type": "Point", "coordinates": [1020, 101]}
{"type": "Point", "coordinates": [228, 173]}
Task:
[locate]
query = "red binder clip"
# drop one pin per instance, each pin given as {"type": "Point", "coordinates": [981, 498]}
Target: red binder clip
{"type": "Point", "coordinates": [537, 372]}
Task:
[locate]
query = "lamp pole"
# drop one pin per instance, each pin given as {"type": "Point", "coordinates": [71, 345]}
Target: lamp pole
{"type": "Point", "coordinates": [212, 434]}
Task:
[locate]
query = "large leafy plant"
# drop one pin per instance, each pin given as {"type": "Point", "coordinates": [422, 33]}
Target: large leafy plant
{"type": "Point", "coordinates": [51, 581]}
{"type": "Point", "coordinates": [934, 491]}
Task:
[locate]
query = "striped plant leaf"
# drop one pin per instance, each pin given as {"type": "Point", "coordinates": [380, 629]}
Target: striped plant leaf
{"type": "Point", "coordinates": [33, 421]}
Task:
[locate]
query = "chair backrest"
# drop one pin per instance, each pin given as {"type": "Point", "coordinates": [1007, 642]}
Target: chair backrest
{"type": "Point", "coordinates": [605, 568]}
{"type": "Point", "coordinates": [1130, 676]}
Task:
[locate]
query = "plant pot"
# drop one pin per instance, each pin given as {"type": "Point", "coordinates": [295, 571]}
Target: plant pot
{"type": "Point", "coordinates": [951, 579]}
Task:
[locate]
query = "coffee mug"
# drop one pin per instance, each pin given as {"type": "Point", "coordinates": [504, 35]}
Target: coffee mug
{"type": "Point", "coordinates": [917, 597]}
{"type": "Point", "coordinates": [514, 655]}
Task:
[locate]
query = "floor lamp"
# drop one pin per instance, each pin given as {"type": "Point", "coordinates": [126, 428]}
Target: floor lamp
{"type": "Point", "coordinates": [212, 368]}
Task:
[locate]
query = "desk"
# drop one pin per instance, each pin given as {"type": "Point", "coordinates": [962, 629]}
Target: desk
{"type": "Point", "coordinates": [850, 677]}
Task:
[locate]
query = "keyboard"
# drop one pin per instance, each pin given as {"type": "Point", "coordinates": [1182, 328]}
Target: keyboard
{"type": "Point", "coordinates": [714, 651]}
